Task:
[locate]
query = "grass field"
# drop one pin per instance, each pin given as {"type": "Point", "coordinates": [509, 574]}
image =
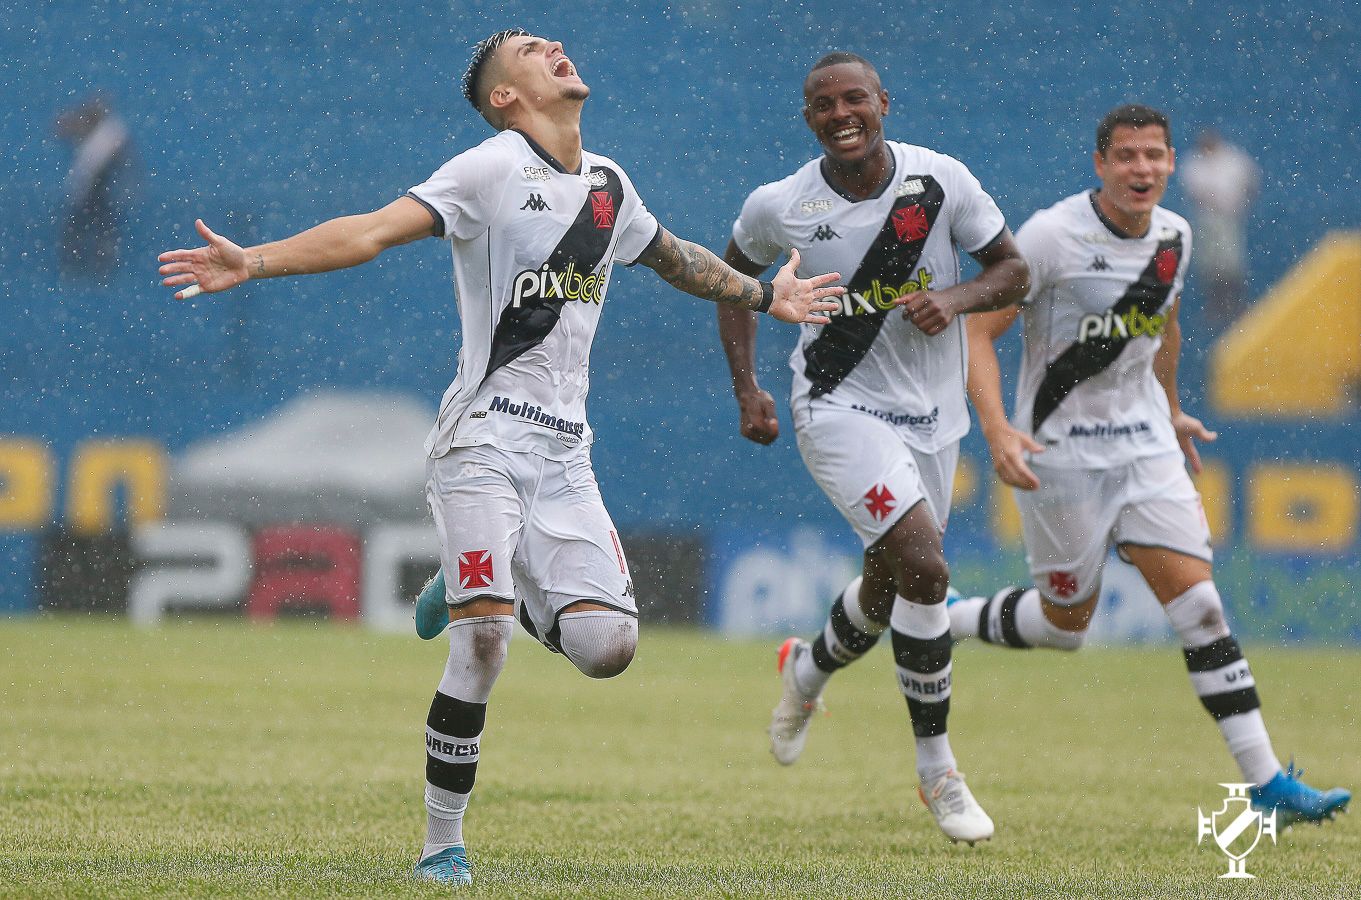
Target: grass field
{"type": "Point", "coordinates": [214, 758]}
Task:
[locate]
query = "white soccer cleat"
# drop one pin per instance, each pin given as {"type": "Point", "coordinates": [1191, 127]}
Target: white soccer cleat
{"type": "Point", "coordinates": [957, 812]}
{"type": "Point", "coordinates": [789, 721]}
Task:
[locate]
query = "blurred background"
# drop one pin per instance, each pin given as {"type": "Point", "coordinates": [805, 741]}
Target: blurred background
{"type": "Point", "coordinates": [259, 452]}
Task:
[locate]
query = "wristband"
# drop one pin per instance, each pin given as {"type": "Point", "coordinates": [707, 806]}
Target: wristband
{"type": "Point", "coordinates": [767, 297]}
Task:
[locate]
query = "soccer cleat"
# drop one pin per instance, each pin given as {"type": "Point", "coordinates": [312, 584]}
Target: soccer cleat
{"type": "Point", "coordinates": [1295, 801]}
{"type": "Point", "coordinates": [432, 612]}
{"type": "Point", "coordinates": [789, 721]}
{"type": "Point", "coordinates": [448, 866]}
{"type": "Point", "coordinates": [957, 812]}
{"type": "Point", "coordinates": [952, 596]}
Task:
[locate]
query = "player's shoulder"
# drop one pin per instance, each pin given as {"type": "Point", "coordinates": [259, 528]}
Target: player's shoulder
{"type": "Point", "coordinates": [1072, 212]}
{"type": "Point", "coordinates": [790, 192]}
{"type": "Point", "coordinates": [925, 161]}
{"type": "Point", "coordinates": [497, 154]}
{"type": "Point", "coordinates": [1164, 218]}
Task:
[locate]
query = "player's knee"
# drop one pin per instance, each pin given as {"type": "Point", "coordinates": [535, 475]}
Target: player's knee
{"type": "Point", "coordinates": [923, 576]}
{"type": "Point", "coordinates": [1197, 615]}
{"type": "Point", "coordinates": [600, 643]}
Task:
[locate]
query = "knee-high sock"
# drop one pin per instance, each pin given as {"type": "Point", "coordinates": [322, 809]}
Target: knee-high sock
{"type": "Point", "coordinates": [848, 635]}
{"type": "Point", "coordinates": [1222, 679]}
{"type": "Point", "coordinates": [1012, 617]}
{"type": "Point", "coordinates": [921, 652]}
{"type": "Point", "coordinates": [453, 727]}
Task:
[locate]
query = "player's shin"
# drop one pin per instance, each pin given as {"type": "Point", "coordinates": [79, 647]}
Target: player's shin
{"type": "Point", "coordinates": [847, 635]}
{"type": "Point", "coordinates": [921, 652]}
{"type": "Point", "coordinates": [453, 728]}
{"type": "Point", "coordinates": [1222, 679]}
{"type": "Point", "coordinates": [1013, 617]}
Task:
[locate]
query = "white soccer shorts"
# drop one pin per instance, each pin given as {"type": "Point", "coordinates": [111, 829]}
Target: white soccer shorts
{"type": "Point", "coordinates": [869, 472]}
{"type": "Point", "coordinates": [1073, 518]}
{"type": "Point", "coordinates": [520, 527]}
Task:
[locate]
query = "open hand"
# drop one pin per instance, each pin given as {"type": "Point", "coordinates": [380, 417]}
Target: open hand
{"type": "Point", "coordinates": [804, 300]}
{"type": "Point", "coordinates": [216, 267]}
{"type": "Point", "coordinates": [1009, 447]}
{"type": "Point", "coordinates": [1189, 430]}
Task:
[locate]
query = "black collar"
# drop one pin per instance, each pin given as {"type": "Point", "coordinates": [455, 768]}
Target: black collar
{"type": "Point", "coordinates": [545, 155]}
{"type": "Point", "coordinates": [1111, 226]}
{"type": "Point", "coordinates": [825, 167]}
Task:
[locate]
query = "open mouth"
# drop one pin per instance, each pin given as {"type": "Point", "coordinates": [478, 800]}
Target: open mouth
{"type": "Point", "coordinates": [563, 68]}
{"type": "Point", "coordinates": [1140, 190]}
{"type": "Point", "coordinates": [845, 137]}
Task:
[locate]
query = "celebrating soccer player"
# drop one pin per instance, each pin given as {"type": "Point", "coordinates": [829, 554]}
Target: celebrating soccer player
{"type": "Point", "coordinates": [536, 224]}
{"type": "Point", "coordinates": [878, 394]}
{"type": "Point", "coordinates": [1099, 444]}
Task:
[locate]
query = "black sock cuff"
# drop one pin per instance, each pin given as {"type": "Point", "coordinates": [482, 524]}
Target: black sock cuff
{"type": "Point", "coordinates": [456, 718]}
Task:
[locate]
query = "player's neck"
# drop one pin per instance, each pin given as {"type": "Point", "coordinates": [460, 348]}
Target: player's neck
{"type": "Point", "coordinates": [558, 135]}
{"type": "Point", "coordinates": [1133, 225]}
{"type": "Point", "coordinates": [860, 178]}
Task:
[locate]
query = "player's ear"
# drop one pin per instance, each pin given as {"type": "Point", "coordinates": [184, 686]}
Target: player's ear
{"type": "Point", "coordinates": [1099, 163]}
{"type": "Point", "coordinates": [883, 102]}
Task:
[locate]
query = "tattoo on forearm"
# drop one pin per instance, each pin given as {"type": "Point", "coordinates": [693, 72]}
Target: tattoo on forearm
{"type": "Point", "coordinates": [259, 264]}
{"type": "Point", "coordinates": [695, 270]}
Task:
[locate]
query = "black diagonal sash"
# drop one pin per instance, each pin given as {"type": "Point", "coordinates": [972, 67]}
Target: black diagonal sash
{"type": "Point", "coordinates": [843, 343]}
{"type": "Point", "coordinates": [580, 250]}
{"type": "Point", "coordinates": [1084, 359]}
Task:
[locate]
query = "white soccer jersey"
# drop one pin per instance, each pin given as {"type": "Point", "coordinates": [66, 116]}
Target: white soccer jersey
{"type": "Point", "coordinates": [1094, 320]}
{"type": "Point", "coordinates": [870, 358]}
{"type": "Point", "coordinates": [533, 246]}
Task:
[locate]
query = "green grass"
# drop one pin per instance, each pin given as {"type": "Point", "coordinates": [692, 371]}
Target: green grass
{"type": "Point", "coordinates": [214, 758]}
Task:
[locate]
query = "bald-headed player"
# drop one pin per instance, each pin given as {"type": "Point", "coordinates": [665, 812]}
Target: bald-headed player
{"type": "Point", "coordinates": [536, 224]}
{"type": "Point", "coordinates": [878, 396]}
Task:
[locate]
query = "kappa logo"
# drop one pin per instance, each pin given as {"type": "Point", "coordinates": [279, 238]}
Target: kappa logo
{"type": "Point", "coordinates": [474, 569]}
{"type": "Point", "coordinates": [812, 207]}
{"type": "Point", "coordinates": [910, 224]}
{"type": "Point", "coordinates": [824, 233]}
{"type": "Point", "coordinates": [1236, 828]}
{"type": "Point", "coordinates": [879, 500]}
{"type": "Point", "coordinates": [602, 209]}
{"type": "Point", "coordinates": [536, 203]}
{"type": "Point", "coordinates": [538, 173]}
{"type": "Point", "coordinates": [910, 187]}
{"type": "Point", "coordinates": [1099, 264]}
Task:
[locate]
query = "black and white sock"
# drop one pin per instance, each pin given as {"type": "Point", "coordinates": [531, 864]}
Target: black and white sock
{"type": "Point", "coordinates": [1223, 681]}
{"type": "Point", "coordinates": [1012, 617]}
{"type": "Point", "coordinates": [921, 652]}
{"type": "Point", "coordinates": [453, 727]}
{"type": "Point", "coordinates": [848, 635]}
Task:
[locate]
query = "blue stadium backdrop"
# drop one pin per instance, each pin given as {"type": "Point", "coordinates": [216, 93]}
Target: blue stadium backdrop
{"type": "Point", "coordinates": [279, 116]}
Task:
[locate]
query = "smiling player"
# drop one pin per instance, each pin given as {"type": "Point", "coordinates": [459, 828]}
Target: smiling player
{"type": "Point", "coordinates": [878, 395]}
{"type": "Point", "coordinates": [536, 224]}
{"type": "Point", "coordinates": [1099, 447]}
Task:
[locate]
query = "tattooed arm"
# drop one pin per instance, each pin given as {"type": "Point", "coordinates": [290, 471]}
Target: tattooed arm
{"type": "Point", "coordinates": [337, 244]}
{"type": "Point", "coordinates": [693, 269]}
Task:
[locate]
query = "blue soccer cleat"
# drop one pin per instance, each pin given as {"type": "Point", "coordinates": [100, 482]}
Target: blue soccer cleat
{"type": "Point", "coordinates": [449, 866]}
{"type": "Point", "coordinates": [952, 596]}
{"type": "Point", "coordinates": [1295, 801]}
{"type": "Point", "coordinates": [432, 612]}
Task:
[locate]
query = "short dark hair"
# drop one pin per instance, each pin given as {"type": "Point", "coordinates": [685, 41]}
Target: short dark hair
{"type": "Point", "coordinates": [839, 57]}
{"type": "Point", "coordinates": [481, 53]}
{"type": "Point", "coordinates": [1135, 115]}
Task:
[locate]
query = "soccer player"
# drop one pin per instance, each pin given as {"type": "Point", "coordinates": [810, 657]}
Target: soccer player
{"type": "Point", "coordinates": [1099, 445]}
{"type": "Point", "coordinates": [536, 224]}
{"type": "Point", "coordinates": [878, 393]}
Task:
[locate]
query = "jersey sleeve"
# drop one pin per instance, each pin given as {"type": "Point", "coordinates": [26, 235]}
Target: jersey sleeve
{"type": "Point", "coordinates": [641, 229]}
{"type": "Point", "coordinates": [464, 193]}
{"type": "Point", "coordinates": [1038, 244]}
{"type": "Point", "coordinates": [756, 231]}
{"type": "Point", "coordinates": [975, 220]}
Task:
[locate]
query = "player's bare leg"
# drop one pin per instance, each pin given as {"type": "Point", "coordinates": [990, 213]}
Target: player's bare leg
{"type": "Point", "coordinates": [1220, 675]}
{"type": "Point", "coordinates": [920, 628]}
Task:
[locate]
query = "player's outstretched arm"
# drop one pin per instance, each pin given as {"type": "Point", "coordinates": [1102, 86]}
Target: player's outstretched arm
{"type": "Point", "coordinates": [1004, 280]}
{"type": "Point", "coordinates": [737, 331]}
{"type": "Point", "coordinates": [1165, 362]}
{"type": "Point", "coordinates": [693, 269]}
{"type": "Point", "coordinates": [336, 244]}
{"type": "Point", "coordinates": [1007, 445]}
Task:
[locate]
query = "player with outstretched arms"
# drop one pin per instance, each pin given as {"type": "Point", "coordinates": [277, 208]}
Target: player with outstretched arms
{"type": "Point", "coordinates": [878, 394]}
{"type": "Point", "coordinates": [536, 224]}
{"type": "Point", "coordinates": [1099, 444]}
